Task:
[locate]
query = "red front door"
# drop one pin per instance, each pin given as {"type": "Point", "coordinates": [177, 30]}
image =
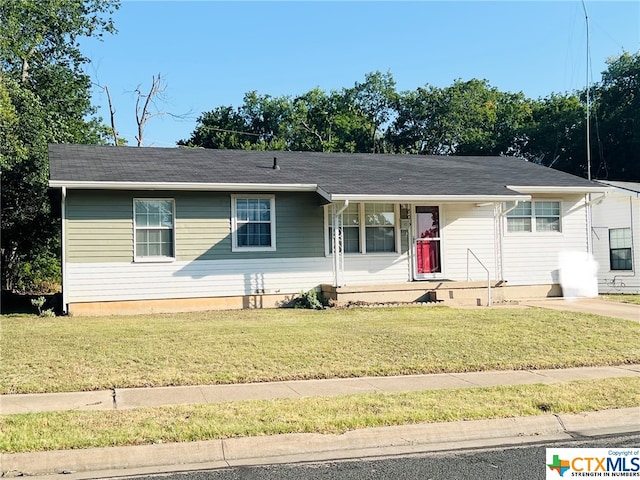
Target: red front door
{"type": "Point", "coordinates": [427, 243]}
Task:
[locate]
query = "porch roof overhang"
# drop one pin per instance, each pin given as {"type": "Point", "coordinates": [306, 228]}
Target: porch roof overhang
{"type": "Point", "coordinates": [559, 190]}
{"type": "Point", "coordinates": [428, 198]}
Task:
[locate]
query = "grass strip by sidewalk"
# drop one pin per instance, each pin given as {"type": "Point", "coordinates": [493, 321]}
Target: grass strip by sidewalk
{"type": "Point", "coordinates": [328, 415]}
{"type": "Point", "coordinates": [623, 298]}
{"type": "Point", "coordinates": [78, 354]}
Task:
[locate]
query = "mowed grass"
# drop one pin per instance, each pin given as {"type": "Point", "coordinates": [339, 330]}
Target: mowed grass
{"type": "Point", "coordinates": [84, 353]}
{"type": "Point", "coordinates": [84, 429]}
{"type": "Point", "coordinates": [624, 298]}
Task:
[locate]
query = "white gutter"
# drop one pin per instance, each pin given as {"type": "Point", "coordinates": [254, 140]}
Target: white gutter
{"type": "Point", "coordinates": [429, 198]}
{"type": "Point", "coordinates": [558, 190]}
{"type": "Point", "coordinates": [239, 187]}
{"type": "Point", "coordinates": [63, 207]}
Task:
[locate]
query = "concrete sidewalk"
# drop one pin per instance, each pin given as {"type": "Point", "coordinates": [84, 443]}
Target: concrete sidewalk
{"type": "Point", "coordinates": [160, 458]}
{"type": "Point", "coordinates": [596, 306]}
{"type": "Point", "coordinates": [126, 398]}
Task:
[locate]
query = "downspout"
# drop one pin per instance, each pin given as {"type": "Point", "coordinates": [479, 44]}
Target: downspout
{"type": "Point", "coordinates": [338, 266]}
{"type": "Point", "coordinates": [588, 202]}
{"type": "Point", "coordinates": [63, 207]}
{"type": "Point", "coordinates": [515, 204]}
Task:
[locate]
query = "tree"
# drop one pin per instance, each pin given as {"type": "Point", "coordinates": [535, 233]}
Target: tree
{"type": "Point", "coordinates": [263, 122]}
{"type": "Point", "coordinates": [555, 137]}
{"type": "Point", "coordinates": [46, 98]}
{"type": "Point", "coordinates": [374, 99]}
{"type": "Point", "coordinates": [466, 118]}
{"type": "Point", "coordinates": [617, 122]}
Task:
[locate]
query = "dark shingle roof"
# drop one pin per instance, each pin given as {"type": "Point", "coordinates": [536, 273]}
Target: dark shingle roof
{"type": "Point", "coordinates": [335, 173]}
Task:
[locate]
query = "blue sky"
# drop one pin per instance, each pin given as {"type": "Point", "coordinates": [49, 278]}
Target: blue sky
{"type": "Point", "coordinates": [212, 53]}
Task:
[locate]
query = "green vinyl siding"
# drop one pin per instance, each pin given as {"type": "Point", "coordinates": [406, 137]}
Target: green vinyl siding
{"type": "Point", "coordinates": [99, 226]}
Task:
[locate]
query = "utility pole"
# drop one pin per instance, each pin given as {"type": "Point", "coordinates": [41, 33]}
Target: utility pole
{"type": "Point", "coordinates": [586, 17]}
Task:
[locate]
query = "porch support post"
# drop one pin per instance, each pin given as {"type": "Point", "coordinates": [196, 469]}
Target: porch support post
{"type": "Point", "coordinates": [338, 244]}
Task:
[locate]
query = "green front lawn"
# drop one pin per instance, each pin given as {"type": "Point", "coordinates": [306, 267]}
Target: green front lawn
{"type": "Point", "coordinates": [84, 353]}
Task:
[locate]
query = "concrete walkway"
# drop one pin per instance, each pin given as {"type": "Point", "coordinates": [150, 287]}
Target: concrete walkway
{"type": "Point", "coordinates": [596, 306]}
{"type": "Point", "coordinates": [161, 458]}
{"type": "Point", "coordinates": [126, 398]}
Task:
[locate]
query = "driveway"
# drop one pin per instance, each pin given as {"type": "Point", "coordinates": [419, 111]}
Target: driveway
{"type": "Point", "coordinates": [597, 306]}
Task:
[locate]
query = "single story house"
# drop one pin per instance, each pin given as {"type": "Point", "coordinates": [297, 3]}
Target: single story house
{"type": "Point", "coordinates": [166, 229]}
{"type": "Point", "coordinates": [616, 238]}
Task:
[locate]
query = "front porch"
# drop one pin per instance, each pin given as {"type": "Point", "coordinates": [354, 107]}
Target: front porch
{"type": "Point", "coordinates": [450, 293]}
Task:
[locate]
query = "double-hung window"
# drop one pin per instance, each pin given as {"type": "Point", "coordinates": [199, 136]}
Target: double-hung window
{"type": "Point", "coordinates": [620, 249]}
{"type": "Point", "coordinates": [253, 222]}
{"type": "Point", "coordinates": [380, 227]}
{"type": "Point", "coordinates": [366, 228]}
{"type": "Point", "coordinates": [537, 216]}
{"type": "Point", "coordinates": [154, 229]}
{"type": "Point", "coordinates": [350, 229]}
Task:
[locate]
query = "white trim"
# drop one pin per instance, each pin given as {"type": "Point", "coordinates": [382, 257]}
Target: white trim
{"type": "Point", "coordinates": [533, 216]}
{"type": "Point", "coordinates": [363, 228]}
{"type": "Point", "coordinates": [414, 239]}
{"type": "Point", "coordinates": [63, 207]}
{"type": "Point", "coordinates": [428, 198]}
{"type": "Point", "coordinates": [558, 190]}
{"type": "Point", "coordinates": [159, 258]}
{"type": "Point", "coordinates": [323, 193]}
{"type": "Point", "coordinates": [234, 224]}
{"type": "Point", "coordinates": [241, 187]}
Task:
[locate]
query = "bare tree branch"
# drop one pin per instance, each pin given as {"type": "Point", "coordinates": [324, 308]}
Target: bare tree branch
{"type": "Point", "coordinates": [143, 114]}
{"type": "Point", "coordinates": [112, 115]}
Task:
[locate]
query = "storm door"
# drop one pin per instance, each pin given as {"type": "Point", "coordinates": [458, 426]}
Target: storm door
{"type": "Point", "coordinates": [427, 242]}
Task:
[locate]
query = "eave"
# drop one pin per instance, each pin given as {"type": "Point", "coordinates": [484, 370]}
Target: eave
{"type": "Point", "coordinates": [428, 198]}
{"type": "Point", "coordinates": [558, 190]}
{"type": "Point", "coordinates": [185, 186]}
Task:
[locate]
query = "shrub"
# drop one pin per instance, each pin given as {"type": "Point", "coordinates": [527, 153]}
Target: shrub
{"type": "Point", "coordinates": [311, 299]}
{"type": "Point", "coordinates": [41, 275]}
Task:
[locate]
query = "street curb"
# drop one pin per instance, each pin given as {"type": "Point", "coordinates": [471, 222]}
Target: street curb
{"type": "Point", "coordinates": [301, 447]}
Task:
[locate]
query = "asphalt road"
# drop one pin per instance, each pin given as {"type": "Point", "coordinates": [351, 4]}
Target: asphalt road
{"type": "Point", "coordinates": [519, 463]}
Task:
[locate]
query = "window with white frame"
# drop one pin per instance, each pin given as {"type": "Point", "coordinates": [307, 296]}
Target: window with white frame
{"type": "Point", "coordinates": [154, 229]}
{"type": "Point", "coordinates": [536, 216]}
{"type": "Point", "coordinates": [366, 228]}
{"type": "Point", "coordinates": [350, 229]}
{"type": "Point", "coordinates": [620, 249]}
{"type": "Point", "coordinates": [380, 227]}
{"type": "Point", "coordinates": [253, 222]}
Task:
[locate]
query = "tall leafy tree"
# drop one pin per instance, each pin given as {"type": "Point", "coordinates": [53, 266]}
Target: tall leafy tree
{"type": "Point", "coordinates": [46, 98]}
{"type": "Point", "coordinates": [555, 136]}
{"type": "Point", "coordinates": [466, 118]}
{"type": "Point", "coordinates": [616, 127]}
{"type": "Point", "coordinates": [374, 99]}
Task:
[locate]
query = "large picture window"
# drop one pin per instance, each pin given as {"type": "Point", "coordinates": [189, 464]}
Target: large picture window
{"type": "Point", "coordinates": [253, 219]}
{"type": "Point", "coordinates": [153, 229]}
{"type": "Point", "coordinates": [620, 249]}
{"type": "Point", "coordinates": [537, 216]}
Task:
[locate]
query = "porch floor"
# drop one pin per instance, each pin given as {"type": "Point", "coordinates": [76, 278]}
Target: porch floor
{"type": "Point", "coordinates": [447, 292]}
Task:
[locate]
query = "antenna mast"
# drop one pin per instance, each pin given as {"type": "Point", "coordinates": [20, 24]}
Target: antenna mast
{"type": "Point", "coordinates": [586, 17]}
